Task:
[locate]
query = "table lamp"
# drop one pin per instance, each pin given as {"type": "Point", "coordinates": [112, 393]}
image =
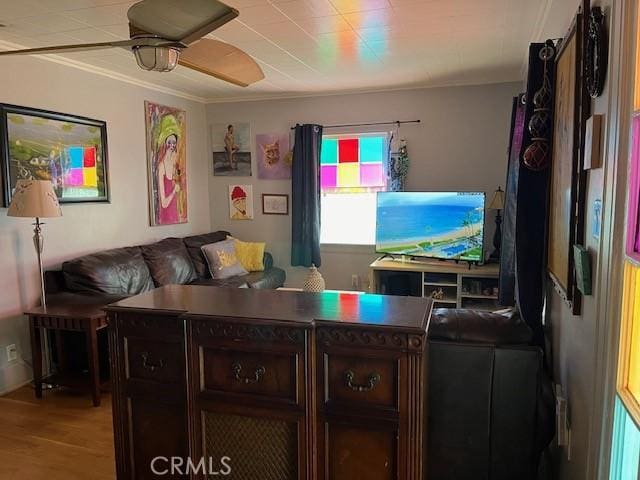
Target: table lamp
{"type": "Point", "coordinates": [35, 199]}
{"type": "Point", "coordinates": [497, 203]}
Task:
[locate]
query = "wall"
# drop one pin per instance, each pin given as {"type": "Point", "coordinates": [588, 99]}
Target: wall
{"type": "Point", "coordinates": [91, 227]}
{"type": "Point", "coordinates": [578, 349]}
{"type": "Point", "coordinates": [460, 144]}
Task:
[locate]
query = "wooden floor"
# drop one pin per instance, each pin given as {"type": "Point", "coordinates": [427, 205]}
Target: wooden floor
{"type": "Point", "coordinates": [58, 437]}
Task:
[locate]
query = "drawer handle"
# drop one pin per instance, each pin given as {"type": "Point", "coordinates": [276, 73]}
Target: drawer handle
{"type": "Point", "coordinates": [257, 374]}
{"type": "Point", "coordinates": [152, 367]}
{"type": "Point", "coordinates": [373, 379]}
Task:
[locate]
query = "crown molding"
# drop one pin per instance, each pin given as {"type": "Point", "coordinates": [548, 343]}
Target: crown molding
{"type": "Point", "coordinates": [4, 45]}
{"type": "Point", "coordinates": [336, 93]}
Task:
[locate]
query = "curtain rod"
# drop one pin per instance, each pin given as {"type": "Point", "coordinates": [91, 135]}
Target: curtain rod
{"type": "Point", "coordinates": [396, 122]}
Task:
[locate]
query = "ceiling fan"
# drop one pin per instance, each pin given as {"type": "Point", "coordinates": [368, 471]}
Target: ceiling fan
{"type": "Point", "coordinates": [165, 33]}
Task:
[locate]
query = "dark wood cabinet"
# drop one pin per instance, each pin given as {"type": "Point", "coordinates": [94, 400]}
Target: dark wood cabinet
{"type": "Point", "coordinates": [360, 451]}
{"type": "Point", "coordinates": [248, 391]}
{"type": "Point", "coordinates": [149, 391]}
{"type": "Point", "coordinates": [284, 385]}
{"type": "Point", "coordinates": [372, 403]}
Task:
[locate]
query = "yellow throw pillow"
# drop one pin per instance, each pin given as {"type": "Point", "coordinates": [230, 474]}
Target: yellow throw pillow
{"type": "Point", "coordinates": [250, 255]}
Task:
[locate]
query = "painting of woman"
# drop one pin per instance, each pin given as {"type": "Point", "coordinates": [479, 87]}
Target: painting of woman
{"type": "Point", "coordinates": [167, 164]}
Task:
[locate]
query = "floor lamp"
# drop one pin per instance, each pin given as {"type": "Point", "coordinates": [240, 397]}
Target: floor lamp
{"type": "Point", "coordinates": [35, 199]}
{"type": "Point", "coordinates": [497, 204]}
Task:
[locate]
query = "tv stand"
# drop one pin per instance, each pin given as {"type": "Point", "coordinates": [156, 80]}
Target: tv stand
{"type": "Point", "coordinates": [463, 285]}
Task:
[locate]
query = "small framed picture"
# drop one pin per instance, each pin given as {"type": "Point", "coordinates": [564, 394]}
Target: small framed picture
{"type": "Point", "coordinates": [241, 202]}
{"type": "Point", "coordinates": [275, 204]}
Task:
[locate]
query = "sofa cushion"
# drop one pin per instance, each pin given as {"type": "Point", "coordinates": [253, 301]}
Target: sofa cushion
{"type": "Point", "coordinates": [169, 262]}
{"type": "Point", "coordinates": [473, 326]}
{"type": "Point", "coordinates": [194, 244]}
{"type": "Point", "coordinates": [121, 271]}
{"type": "Point", "coordinates": [231, 282]}
{"type": "Point", "coordinates": [272, 278]}
{"type": "Point", "coordinates": [222, 259]}
{"type": "Point", "coordinates": [250, 255]}
{"type": "Point", "coordinates": [267, 261]}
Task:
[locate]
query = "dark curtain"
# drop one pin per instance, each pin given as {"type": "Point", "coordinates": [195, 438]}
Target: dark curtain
{"type": "Point", "coordinates": [507, 296]}
{"type": "Point", "coordinates": [305, 196]}
{"type": "Point", "coordinates": [531, 215]}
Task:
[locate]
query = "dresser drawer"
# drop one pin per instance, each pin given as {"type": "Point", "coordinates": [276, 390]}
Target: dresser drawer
{"type": "Point", "coordinates": [275, 375]}
{"type": "Point", "coordinates": [353, 380]}
{"type": "Point", "coordinates": [154, 360]}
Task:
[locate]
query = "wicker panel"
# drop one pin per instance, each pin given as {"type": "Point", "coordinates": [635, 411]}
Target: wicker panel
{"type": "Point", "coordinates": [259, 448]}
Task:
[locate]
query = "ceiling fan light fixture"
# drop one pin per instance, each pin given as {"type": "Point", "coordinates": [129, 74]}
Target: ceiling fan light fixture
{"type": "Point", "coordinates": [157, 59]}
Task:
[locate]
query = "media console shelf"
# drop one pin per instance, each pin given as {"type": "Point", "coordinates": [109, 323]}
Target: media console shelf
{"type": "Point", "coordinates": [462, 287]}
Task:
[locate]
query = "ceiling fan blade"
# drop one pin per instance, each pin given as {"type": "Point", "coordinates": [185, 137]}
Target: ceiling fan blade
{"type": "Point", "coordinates": [179, 20]}
{"type": "Point", "coordinates": [222, 61]}
{"type": "Point", "coordinates": [67, 48]}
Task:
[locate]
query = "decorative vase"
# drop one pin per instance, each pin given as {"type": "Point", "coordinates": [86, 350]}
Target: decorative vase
{"type": "Point", "coordinates": [314, 281]}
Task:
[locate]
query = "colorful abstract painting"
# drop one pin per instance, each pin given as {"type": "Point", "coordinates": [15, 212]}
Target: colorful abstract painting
{"type": "Point", "coordinates": [167, 164]}
{"type": "Point", "coordinates": [231, 144]}
{"type": "Point", "coordinates": [273, 156]}
{"type": "Point", "coordinates": [70, 151]}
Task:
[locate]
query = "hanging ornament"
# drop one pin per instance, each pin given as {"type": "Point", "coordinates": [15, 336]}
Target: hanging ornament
{"type": "Point", "coordinates": [596, 53]}
{"type": "Point", "coordinates": [537, 155]}
{"type": "Point", "coordinates": [398, 162]}
{"type": "Point", "coordinates": [288, 156]}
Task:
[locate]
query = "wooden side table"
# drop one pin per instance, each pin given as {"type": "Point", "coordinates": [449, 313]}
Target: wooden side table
{"type": "Point", "coordinates": [79, 318]}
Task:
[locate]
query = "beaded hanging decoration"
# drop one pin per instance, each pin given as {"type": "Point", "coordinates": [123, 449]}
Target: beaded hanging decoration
{"type": "Point", "coordinates": [537, 155]}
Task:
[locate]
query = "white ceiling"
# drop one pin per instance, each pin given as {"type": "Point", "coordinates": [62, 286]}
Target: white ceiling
{"type": "Point", "coordinates": [308, 46]}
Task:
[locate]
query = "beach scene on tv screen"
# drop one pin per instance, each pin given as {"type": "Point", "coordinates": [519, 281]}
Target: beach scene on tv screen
{"type": "Point", "coordinates": [431, 224]}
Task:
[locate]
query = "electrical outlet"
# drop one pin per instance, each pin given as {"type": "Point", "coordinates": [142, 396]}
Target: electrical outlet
{"type": "Point", "coordinates": [355, 281]}
{"type": "Point", "coordinates": [12, 353]}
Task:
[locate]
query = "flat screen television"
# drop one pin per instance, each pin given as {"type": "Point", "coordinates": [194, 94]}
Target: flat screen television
{"type": "Point", "coordinates": [444, 225]}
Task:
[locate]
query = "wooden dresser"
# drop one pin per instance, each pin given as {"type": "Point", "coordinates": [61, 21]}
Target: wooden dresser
{"type": "Point", "coordinates": [285, 385]}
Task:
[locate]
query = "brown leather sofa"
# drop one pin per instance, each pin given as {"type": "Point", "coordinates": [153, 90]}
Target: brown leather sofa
{"type": "Point", "coordinates": [110, 275]}
{"type": "Point", "coordinates": [490, 404]}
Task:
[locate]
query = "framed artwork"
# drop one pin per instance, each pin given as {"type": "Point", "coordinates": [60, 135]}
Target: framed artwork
{"type": "Point", "coordinates": [240, 202]}
{"type": "Point", "coordinates": [231, 144]}
{"type": "Point", "coordinates": [566, 208]}
{"type": "Point", "coordinates": [592, 136]}
{"type": "Point", "coordinates": [275, 204]}
{"type": "Point", "coordinates": [70, 151]}
{"type": "Point", "coordinates": [273, 156]}
{"type": "Point", "coordinates": [167, 164]}
{"type": "Point", "coordinates": [596, 222]}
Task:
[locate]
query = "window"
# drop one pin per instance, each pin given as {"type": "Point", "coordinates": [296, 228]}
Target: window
{"type": "Point", "coordinates": [633, 222]}
{"type": "Point", "coordinates": [629, 361]}
{"type": "Point", "coordinates": [625, 448]}
{"type": "Point", "coordinates": [352, 170]}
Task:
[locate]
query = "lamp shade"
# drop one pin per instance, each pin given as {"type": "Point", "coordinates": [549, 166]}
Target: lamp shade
{"type": "Point", "coordinates": [497, 203]}
{"type": "Point", "coordinates": [34, 198]}
{"type": "Point", "coordinates": [157, 59]}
